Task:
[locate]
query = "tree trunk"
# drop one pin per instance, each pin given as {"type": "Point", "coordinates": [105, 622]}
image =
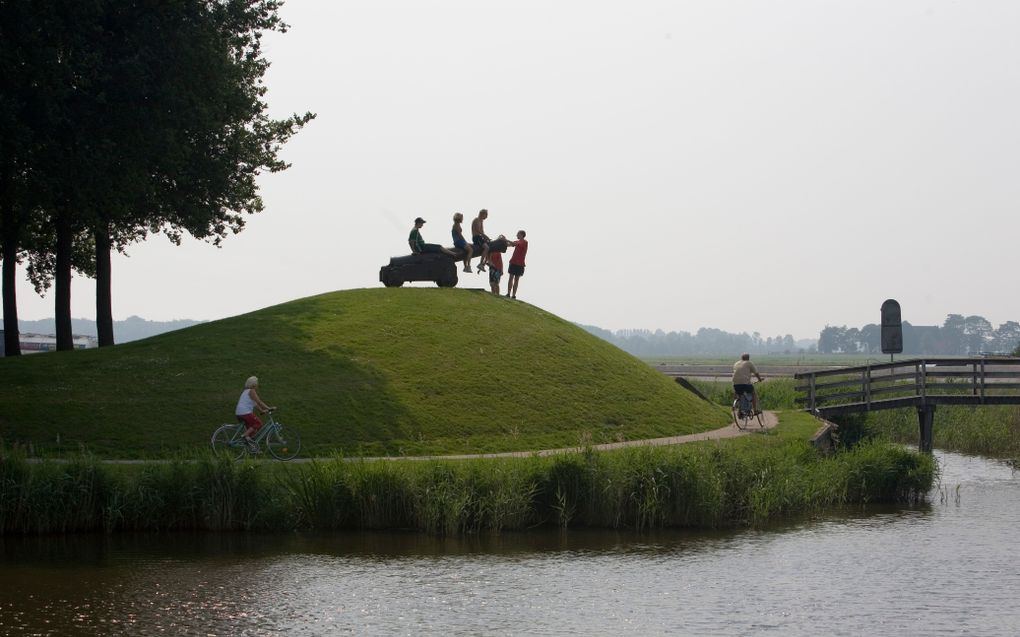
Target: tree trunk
{"type": "Point", "coordinates": [12, 337]}
{"type": "Point", "coordinates": [62, 276]}
{"type": "Point", "coordinates": [104, 297]}
{"type": "Point", "coordinates": [9, 253]}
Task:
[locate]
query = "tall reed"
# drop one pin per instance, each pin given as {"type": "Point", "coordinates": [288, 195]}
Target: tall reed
{"type": "Point", "coordinates": [992, 430]}
{"type": "Point", "coordinates": [51, 498]}
{"type": "Point", "coordinates": [709, 485]}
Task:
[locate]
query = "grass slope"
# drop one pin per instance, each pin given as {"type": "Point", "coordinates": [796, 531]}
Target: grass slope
{"type": "Point", "coordinates": [374, 371]}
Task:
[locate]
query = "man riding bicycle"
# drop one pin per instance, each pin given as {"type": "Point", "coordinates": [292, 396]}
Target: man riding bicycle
{"type": "Point", "coordinates": [742, 371]}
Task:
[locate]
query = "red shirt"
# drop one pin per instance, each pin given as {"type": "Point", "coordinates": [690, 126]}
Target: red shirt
{"type": "Point", "coordinates": [519, 252]}
{"type": "Point", "coordinates": [496, 259]}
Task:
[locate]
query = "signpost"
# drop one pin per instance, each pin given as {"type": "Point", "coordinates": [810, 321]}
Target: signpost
{"type": "Point", "coordinates": [892, 328]}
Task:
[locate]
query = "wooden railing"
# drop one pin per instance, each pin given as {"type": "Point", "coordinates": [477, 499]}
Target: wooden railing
{"type": "Point", "coordinates": [917, 382]}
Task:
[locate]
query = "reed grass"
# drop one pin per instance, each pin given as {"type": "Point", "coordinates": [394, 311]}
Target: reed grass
{"type": "Point", "coordinates": [991, 430]}
{"type": "Point", "coordinates": [744, 482]}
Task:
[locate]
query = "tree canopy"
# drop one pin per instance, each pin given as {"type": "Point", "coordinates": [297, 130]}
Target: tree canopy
{"type": "Point", "coordinates": [958, 335]}
{"type": "Point", "coordinates": [121, 118]}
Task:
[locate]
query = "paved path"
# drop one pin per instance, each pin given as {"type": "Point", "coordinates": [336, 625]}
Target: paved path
{"type": "Point", "coordinates": [729, 431]}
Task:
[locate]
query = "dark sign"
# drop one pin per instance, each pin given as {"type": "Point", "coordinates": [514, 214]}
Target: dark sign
{"type": "Point", "coordinates": [892, 328]}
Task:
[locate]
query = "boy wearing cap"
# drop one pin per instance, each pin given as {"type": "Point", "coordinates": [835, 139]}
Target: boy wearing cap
{"type": "Point", "coordinates": [418, 244]}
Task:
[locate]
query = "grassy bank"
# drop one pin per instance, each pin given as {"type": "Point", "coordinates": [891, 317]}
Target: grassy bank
{"type": "Point", "coordinates": [362, 372]}
{"type": "Point", "coordinates": [774, 393]}
{"type": "Point", "coordinates": [738, 482]}
{"type": "Point", "coordinates": [990, 430]}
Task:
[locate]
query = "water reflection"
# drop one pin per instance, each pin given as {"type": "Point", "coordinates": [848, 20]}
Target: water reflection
{"type": "Point", "coordinates": [948, 567]}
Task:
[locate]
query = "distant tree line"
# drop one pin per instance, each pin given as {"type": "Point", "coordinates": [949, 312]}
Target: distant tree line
{"type": "Point", "coordinates": [706, 341]}
{"type": "Point", "coordinates": [124, 118]}
{"type": "Point", "coordinates": [958, 335]}
{"type": "Point", "coordinates": [130, 329]}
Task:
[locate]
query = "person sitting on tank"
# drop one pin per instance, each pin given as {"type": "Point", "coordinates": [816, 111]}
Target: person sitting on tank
{"type": "Point", "coordinates": [418, 245]}
{"type": "Point", "coordinates": [459, 242]}
{"type": "Point", "coordinates": [479, 239]}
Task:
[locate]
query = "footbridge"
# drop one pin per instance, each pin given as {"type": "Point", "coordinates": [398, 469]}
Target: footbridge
{"type": "Point", "coordinates": [922, 384]}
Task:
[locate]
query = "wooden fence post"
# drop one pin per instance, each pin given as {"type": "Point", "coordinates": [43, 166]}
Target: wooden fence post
{"type": "Point", "coordinates": [925, 422]}
{"type": "Point", "coordinates": [867, 386]}
{"type": "Point", "coordinates": [982, 381]}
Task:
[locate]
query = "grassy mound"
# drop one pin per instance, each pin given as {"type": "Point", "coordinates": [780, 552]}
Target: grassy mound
{"type": "Point", "coordinates": [363, 372]}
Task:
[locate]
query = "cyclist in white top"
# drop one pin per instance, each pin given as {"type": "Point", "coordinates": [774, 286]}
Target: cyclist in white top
{"type": "Point", "coordinates": [742, 371]}
{"type": "Point", "coordinates": [245, 410]}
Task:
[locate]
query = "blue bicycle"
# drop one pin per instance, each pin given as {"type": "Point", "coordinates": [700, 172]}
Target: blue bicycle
{"type": "Point", "coordinates": [744, 412]}
{"type": "Point", "coordinates": [282, 444]}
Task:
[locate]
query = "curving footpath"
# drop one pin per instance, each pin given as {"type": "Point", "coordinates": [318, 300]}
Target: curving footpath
{"type": "Point", "coordinates": [729, 431]}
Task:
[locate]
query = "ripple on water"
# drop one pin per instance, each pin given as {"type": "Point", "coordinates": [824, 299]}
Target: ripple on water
{"type": "Point", "coordinates": [945, 568]}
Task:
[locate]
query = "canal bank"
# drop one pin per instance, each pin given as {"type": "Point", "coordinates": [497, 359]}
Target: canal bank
{"type": "Point", "coordinates": [738, 482]}
{"type": "Point", "coordinates": [943, 567]}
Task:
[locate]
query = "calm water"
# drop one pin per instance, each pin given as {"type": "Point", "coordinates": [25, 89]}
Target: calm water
{"type": "Point", "coordinates": [947, 568]}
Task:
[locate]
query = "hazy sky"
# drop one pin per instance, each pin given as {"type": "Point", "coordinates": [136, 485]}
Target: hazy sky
{"type": "Point", "coordinates": [770, 165]}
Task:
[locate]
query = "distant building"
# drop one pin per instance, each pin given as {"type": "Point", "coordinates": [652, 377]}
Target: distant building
{"type": "Point", "coordinates": [37, 343]}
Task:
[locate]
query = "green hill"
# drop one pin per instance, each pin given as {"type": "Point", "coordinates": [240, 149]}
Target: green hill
{"type": "Point", "coordinates": [374, 371]}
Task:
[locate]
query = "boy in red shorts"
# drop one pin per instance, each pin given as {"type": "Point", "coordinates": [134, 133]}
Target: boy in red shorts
{"type": "Point", "coordinates": [516, 269]}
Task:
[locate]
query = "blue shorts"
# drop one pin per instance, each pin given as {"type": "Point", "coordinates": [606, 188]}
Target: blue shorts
{"type": "Point", "coordinates": [494, 275]}
{"type": "Point", "coordinates": [743, 389]}
{"type": "Point", "coordinates": [459, 243]}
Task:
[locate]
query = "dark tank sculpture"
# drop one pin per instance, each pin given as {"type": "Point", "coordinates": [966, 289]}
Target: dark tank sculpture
{"type": "Point", "coordinates": [429, 266]}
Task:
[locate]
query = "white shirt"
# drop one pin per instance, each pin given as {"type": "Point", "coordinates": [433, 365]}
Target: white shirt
{"type": "Point", "coordinates": [742, 371]}
{"type": "Point", "coordinates": [245, 404]}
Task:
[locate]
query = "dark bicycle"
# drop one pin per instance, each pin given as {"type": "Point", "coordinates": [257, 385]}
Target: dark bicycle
{"type": "Point", "coordinates": [282, 444]}
{"type": "Point", "coordinates": [744, 413]}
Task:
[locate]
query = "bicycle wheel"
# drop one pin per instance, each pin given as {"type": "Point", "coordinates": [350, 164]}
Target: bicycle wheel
{"type": "Point", "coordinates": [760, 417]}
{"type": "Point", "coordinates": [284, 445]}
{"type": "Point", "coordinates": [738, 417]}
{"type": "Point", "coordinates": [227, 439]}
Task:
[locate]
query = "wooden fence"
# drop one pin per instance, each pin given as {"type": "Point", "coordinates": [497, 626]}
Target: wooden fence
{"type": "Point", "coordinates": [912, 383]}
